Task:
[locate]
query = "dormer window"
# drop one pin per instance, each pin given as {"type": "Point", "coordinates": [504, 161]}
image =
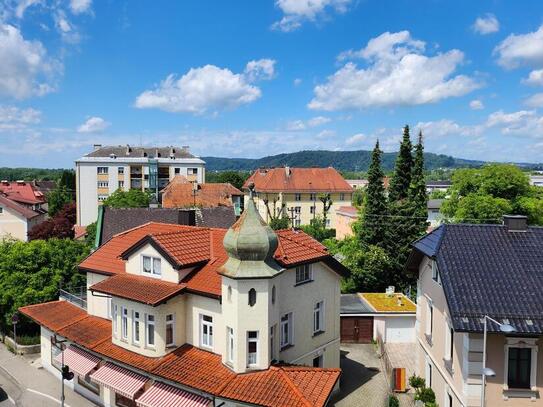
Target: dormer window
{"type": "Point", "coordinates": [151, 266]}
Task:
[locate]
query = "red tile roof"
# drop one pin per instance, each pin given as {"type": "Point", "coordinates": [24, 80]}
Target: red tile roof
{"type": "Point", "coordinates": [298, 180]}
{"type": "Point", "coordinates": [146, 290]}
{"type": "Point", "coordinates": [190, 366]}
{"type": "Point", "coordinates": [179, 194]}
{"type": "Point", "coordinates": [20, 209]}
{"type": "Point", "coordinates": [189, 244]}
{"type": "Point", "coordinates": [23, 192]}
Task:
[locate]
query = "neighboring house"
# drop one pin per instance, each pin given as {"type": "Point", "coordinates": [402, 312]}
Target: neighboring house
{"type": "Point", "coordinates": [441, 186]}
{"type": "Point", "coordinates": [296, 192]}
{"type": "Point", "coordinates": [181, 193]}
{"type": "Point", "coordinates": [467, 272]}
{"type": "Point", "coordinates": [536, 180]}
{"type": "Point", "coordinates": [357, 183]}
{"type": "Point", "coordinates": [434, 206]}
{"type": "Point", "coordinates": [247, 316]}
{"type": "Point", "coordinates": [108, 168]}
{"type": "Point", "coordinates": [365, 317]}
{"type": "Point", "coordinates": [25, 194]}
{"type": "Point", "coordinates": [345, 216]}
{"type": "Point", "coordinates": [16, 220]}
{"type": "Point", "coordinates": [112, 221]}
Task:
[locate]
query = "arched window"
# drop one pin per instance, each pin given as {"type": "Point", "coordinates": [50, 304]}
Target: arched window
{"type": "Point", "coordinates": [273, 295]}
{"type": "Point", "coordinates": [229, 295]}
{"type": "Point", "coordinates": [252, 297]}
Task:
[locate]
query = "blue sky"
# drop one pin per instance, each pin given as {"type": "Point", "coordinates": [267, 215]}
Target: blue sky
{"type": "Point", "coordinates": [253, 78]}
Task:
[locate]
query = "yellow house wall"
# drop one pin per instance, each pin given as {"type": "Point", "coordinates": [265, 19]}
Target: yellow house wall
{"type": "Point", "coordinates": [96, 304]}
{"type": "Point", "coordinates": [12, 225]}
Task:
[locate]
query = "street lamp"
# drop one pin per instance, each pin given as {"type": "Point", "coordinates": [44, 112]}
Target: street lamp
{"type": "Point", "coordinates": [486, 371]}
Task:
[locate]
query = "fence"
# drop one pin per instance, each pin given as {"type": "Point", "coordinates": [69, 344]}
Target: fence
{"type": "Point", "coordinates": [77, 296]}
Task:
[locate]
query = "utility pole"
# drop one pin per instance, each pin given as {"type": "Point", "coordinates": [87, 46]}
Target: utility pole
{"type": "Point", "coordinates": [65, 370]}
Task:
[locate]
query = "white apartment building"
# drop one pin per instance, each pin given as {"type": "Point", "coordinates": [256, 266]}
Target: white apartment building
{"type": "Point", "coordinates": [108, 168]}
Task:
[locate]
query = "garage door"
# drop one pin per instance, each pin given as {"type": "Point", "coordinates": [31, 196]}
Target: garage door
{"type": "Point", "coordinates": [357, 329]}
{"type": "Point", "coordinates": [400, 329]}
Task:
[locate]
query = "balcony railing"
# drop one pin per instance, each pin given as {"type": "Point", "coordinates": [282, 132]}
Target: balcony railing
{"type": "Point", "coordinates": [77, 296]}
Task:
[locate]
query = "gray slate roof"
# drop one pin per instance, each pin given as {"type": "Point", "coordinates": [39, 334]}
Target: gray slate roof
{"type": "Point", "coordinates": [488, 270]}
{"type": "Point", "coordinates": [138, 152]}
{"type": "Point", "coordinates": [353, 304]}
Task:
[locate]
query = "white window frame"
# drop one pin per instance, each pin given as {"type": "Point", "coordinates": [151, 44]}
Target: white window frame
{"type": "Point", "coordinates": [136, 326]}
{"type": "Point", "coordinates": [109, 308]}
{"type": "Point", "coordinates": [102, 170]}
{"type": "Point", "coordinates": [153, 272]}
{"type": "Point", "coordinates": [521, 343]}
{"type": "Point", "coordinates": [120, 170]}
{"type": "Point", "coordinates": [312, 197]}
{"type": "Point", "coordinates": [206, 340]}
{"type": "Point", "coordinates": [318, 318]}
{"type": "Point", "coordinates": [249, 341]}
{"type": "Point", "coordinates": [120, 184]}
{"type": "Point", "coordinates": [102, 184]}
{"type": "Point", "coordinates": [342, 196]}
{"type": "Point", "coordinates": [298, 197]}
{"type": "Point", "coordinates": [148, 324]}
{"type": "Point", "coordinates": [429, 317]}
{"type": "Point", "coordinates": [289, 340]}
{"type": "Point", "coordinates": [449, 341]}
{"type": "Point", "coordinates": [435, 272]}
{"type": "Point", "coordinates": [230, 344]}
{"type": "Point", "coordinates": [305, 272]}
{"type": "Point", "coordinates": [102, 197]}
{"type": "Point", "coordinates": [272, 341]}
{"type": "Point", "coordinates": [114, 317]}
{"type": "Point", "coordinates": [124, 323]}
{"type": "Point", "coordinates": [428, 372]}
{"type": "Point", "coordinates": [171, 323]}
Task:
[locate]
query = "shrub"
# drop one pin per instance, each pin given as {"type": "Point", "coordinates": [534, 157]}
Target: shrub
{"type": "Point", "coordinates": [417, 382]}
{"type": "Point", "coordinates": [426, 395]}
{"type": "Point", "coordinates": [393, 401]}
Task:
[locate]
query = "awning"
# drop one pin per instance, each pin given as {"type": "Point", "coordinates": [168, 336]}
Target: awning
{"type": "Point", "coordinates": [163, 395]}
{"type": "Point", "coordinates": [118, 379]}
{"type": "Point", "coordinates": [78, 360]}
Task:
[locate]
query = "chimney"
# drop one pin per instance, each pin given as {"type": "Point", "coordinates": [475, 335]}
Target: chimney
{"type": "Point", "coordinates": [128, 149]}
{"type": "Point", "coordinates": [515, 223]}
{"type": "Point", "coordinates": [287, 170]}
{"type": "Point", "coordinates": [390, 291]}
{"type": "Point", "coordinates": [97, 146]}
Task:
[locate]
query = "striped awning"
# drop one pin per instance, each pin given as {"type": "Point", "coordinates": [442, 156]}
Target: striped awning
{"type": "Point", "coordinates": [118, 379]}
{"type": "Point", "coordinates": [163, 395]}
{"type": "Point", "coordinates": [78, 360]}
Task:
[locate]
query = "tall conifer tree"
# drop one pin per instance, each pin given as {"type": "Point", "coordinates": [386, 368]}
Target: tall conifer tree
{"type": "Point", "coordinates": [417, 192]}
{"type": "Point", "coordinates": [401, 179]}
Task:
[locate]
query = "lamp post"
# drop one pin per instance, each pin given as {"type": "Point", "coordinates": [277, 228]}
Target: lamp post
{"type": "Point", "coordinates": [486, 371]}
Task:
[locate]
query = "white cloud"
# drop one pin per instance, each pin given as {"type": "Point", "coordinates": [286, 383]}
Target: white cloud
{"type": "Point", "coordinates": [522, 123]}
{"type": "Point", "coordinates": [262, 69]}
{"type": "Point", "coordinates": [522, 49]}
{"type": "Point", "coordinates": [93, 125]}
{"type": "Point", "coordinates": [325, 134]}
{"type": "Point", "coordinates": [397, 74]}
{"type": "Point", "coordinates": [22, 5]}
{"type": "Point", "coordinates": [80, 6]}
{"type": "Point", "coordinates": [476, 104]}
{"type": "Point", "coordinates": [297, 125]}
{"type": "Point", "coordinates": [199, 91]}
{"type": "Point", "coordinates": [26, 69]}
{"type": "Point", "coordinates": [534, 101]}
{"type": "Point", "coordinates": [14, 118]}
{"type": "Point", "coordinates": [486, 25]}
{"type": "Point", "coordinates": [535, 78]}
{"type": "Point", "coordinates": [297, 81]}
{"type": "Point", "coordinates": [445, 127]}
{"type": "Point", "coordinates": [318, 121]}
{"type": "Point", "coordinates": [297, 11]}
{"type": "Point", "coordinates": [356, 139]}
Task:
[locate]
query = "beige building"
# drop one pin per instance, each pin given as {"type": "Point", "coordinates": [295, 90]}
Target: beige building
{"type": "Point", "coordinates": [17, 220]}
{"type": "Point", "coordinates": [469, 274]}
{"type": "Point", "coordinates": [345, 217]}
{"type": "Point", "coordinates": [296, 193]}
{"type": "Point", "coordinates": [109, 168]}
{"type": "Point", "coordinates": [208, 313]}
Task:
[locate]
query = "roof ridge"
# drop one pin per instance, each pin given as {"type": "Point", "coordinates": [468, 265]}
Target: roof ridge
{"type": "Point", "coordinates": [295, 388]}
{"type": "Point", "coordinates": [303, 243]}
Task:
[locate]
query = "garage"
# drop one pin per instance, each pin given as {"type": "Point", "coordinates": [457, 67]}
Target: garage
{"type": "Point", "coordinates": [357, 329]}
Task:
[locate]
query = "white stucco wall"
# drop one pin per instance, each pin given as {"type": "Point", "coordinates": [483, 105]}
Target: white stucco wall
{"type": "Point", "coordinates": [12, 224]}
{"type": "Point", "coordinates": [97, 304]}
{"type": "Point", "coordinates": [134, 265]}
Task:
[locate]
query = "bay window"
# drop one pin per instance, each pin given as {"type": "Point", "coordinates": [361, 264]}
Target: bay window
{"type": "Point", "coordinates": [124, 323]}
{"type": "Point", "coordinates": [150, 330]}
{"type": "Point", "coordinates": [170, 330]}
{"type": "Point", "coordinates": [135, 327]}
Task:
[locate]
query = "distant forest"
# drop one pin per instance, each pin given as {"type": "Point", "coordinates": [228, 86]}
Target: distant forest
{"type": "Point", "coordinates": [30, 174]}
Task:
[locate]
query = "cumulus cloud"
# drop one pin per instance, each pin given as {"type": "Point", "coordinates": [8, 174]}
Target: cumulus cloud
{"type": "Point", "coordinates": [22, 5]}
{"type": "Point", "coordinates": [93, 125]}
{"type": "Point", "coordinates": [534, 101]}
{"type": "Point", "coordinates": [295, 12]}
{"type": "Point", "coordinates": [535, 78]}
{"type": "Point", "coordinates": [486, 25]}
{"type": "Point", "coordinates": [296, 125]}
{"type": "Point", "coordinates": [397, 73]}
{"type": "Point", "coordinates": [80, 6]}
{"type": "Point", "coordinates": [208, 88]}
{"type": "Point", "coordinates": [446, 127]}
{"type": "Point", "coordinates": [522, 123]}
{"type": "Point", "coordinates": [26, 69]}
{"type": "Point", "coordinates": [521, 49]}
{"type": "Point", "coordinates": [325, 134]}
{"type": "Point", "coordinates": [476, 105]}
{"type": "Point", "coordinates": [297, 81]}
{"type": "Point", "coordinates": [356, 139]}
{"type": "Point", "coordinates": [14, 118]}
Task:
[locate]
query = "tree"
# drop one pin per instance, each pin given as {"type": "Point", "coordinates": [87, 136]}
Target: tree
{"type": "Point", "coordinates": [401, 178]}
{"type": "Point", "coordinates": [32, 272]}
{"type": "Point", "coordinates": [57, 199]}
{"type": "Point", "coordinates": [358, 197]}
{"type": "Point", "coordinates": [326, 205]}
{"type": "Point", "coordinates": [370, 229]}
{"type": "Point", "coordinates": [279, 223]}
{"type": "Point", "coordinates": [60, 226]}
{"type": "Point", "coordinates": [317, 229]}
{"type": "Point", "coordinates": [417, 193]}
{"type": "Point", "coordinates": [67, 180]}
{"type": "Point", "coordinates": [91, 234]}
{"type": "Point", "coordinates": [481, 208]}
{"type": "Point", "coordinates": [236, 178]}
{"type": "Point", "coordinates": [133, 198]}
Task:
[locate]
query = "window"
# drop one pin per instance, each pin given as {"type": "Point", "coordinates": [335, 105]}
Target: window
{"type": "Point", "coordinates": [448, 399]}
{"type": "Point", "coordinates": [192, 171]}
{"type": "Point", "coordinates": [252, 348]}
{"type": "Point", "coordinates": [519, 368]}
{"type": "Point", "coordinates": [88, 384]}
{"type": "Point", "coordinates": [327, 223]}
{"type": "Point", "coordinates": [206, 331]}
{"type": "Point", "coordinates": [297, 210]}
{"type": "Point", "coordinates": [151, 265]}
{"type": "Point", "coordinates": [109, 308]}
{"type": "Point", "coordinates": [312, 196]}
{"type": "Point", "coordinates": [342, 196]}
{"type": "Point", "coordinates": [229, 293]}
{"type": "Point", "coordinates": [170, 330]}
{"type": "Point", "coordinates": [317, 362]}
{"type": "Point", "coordinates": [103, 184]}
{"type": "Point", "coordinates": [304, 273]}
{"type": "Point", "coordinates": [252, 297]}
{"type": "Point", "coordinates": [1, 210]}
{"type": "Point", "coordinates": [230, 339]}
{"type": "Point", "coordinates": [286, 330]}
{"type": "Point", "coordinates": [273, 295]}
{"type": "Point", "coordinates": [428, 373]}
{"type": "Point", "coordinates": [124, 323]}
{"type": "Point", "coordinates": [177, 171]}
{"type": "Point", "coordinates": [102, 198]}
{"type": "Point", "coordinates": [318, 317]}
{"type": "Point", "coordinates": [102, 170]}
{"type": "Point", "coordinates": [150, 330]}
{"type": "Point", "coordinates": [449, 343]}
{"type": "Point", "coordinates": [121, 184]}
{"type": "Point", "coordinates": [312, 210]}
{"type": "Point", "coordinates": [435, 272]}
{"type": "Point", "coordinates": [115, 319]}
{"type": "Point", "coordinates": [120, 170]}
{"type": "Point", "coordinates": [136, 327]}
{"type": "Point", "coordinates": [272, 342]}
{"type": "Point", "coordinates": [298, 197]}
{"type": "Point", "coordinates": [429, 317]}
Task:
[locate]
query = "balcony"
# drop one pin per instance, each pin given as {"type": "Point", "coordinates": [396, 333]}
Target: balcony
{"type": "Point", "coordinates": [77, 296]}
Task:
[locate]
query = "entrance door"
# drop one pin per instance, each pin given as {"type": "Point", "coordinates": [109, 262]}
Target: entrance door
{"type": "Point", "coordinates": [356, 329]}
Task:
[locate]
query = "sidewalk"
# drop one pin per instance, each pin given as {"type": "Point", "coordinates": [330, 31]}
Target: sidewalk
{"type": "Point", "coordinates": [24, 383]}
